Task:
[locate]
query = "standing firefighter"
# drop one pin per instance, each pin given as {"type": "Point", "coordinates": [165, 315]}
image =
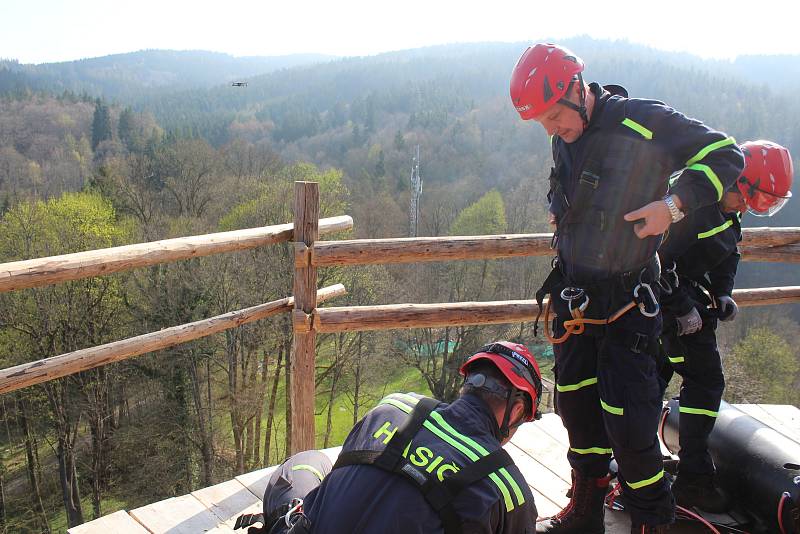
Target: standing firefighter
{"type": "Point", "coordinates": [414, 465]}
{"type": "Point", "coordinates": [699, 260]}
{"type": "Point", "coordinates": [613, 157]}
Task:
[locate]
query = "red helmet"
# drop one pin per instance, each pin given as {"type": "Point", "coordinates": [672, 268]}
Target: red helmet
{"type": "Point", "coordinates": [767, 177]}
{"type": "Point", "coordinates": [517, 364]}
{"type": "Point", "coordinates": [542, 77]}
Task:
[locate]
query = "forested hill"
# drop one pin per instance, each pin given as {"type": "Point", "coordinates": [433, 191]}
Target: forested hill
{"type": "Point", "coordinates": [361, 114]}
{"type": "Point", "coordinates": [127, 76]}
{"type": "Point", "coordinates": [454, 100]}
{"type": "Point", "coordinates": [438, 85]}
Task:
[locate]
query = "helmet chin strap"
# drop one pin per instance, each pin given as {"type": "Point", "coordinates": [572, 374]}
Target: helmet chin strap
{"type": "Point", "coordinates": [504, 427]}
{"type": "Point", "coordinates": [581, 109]}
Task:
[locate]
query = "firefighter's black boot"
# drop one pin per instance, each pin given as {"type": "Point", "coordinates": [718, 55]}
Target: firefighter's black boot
{"type": "Point", "coordinates": [691, 490]}
{"type": "Point", "coordinates": [585, 512]}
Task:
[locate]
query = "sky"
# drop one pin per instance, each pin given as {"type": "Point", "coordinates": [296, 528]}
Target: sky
{"type": "Point", "coordinates": [39, 31]}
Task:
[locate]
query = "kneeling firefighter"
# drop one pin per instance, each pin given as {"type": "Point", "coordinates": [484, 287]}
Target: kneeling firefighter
{"type": "Point", "coordinates": [416, 465]}
{"type": "Point", "coordinates": [613, 157]}
{"type": "Point", "coordinates": [700, 260]}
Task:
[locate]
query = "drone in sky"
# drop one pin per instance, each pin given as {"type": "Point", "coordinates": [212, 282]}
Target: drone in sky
{"type": "Point", "coordinates": [238, 84]}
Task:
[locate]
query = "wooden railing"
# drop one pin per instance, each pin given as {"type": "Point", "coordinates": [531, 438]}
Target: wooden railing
{"type": "Point", "coordinates": [759, 244]}
{"type": "Point", "coordinates": [46, 271]}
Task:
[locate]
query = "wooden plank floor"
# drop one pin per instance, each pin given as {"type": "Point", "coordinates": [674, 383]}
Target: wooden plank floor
{"type": "Point", "coordinates": [781, 417]}
{"type": "Point", "coordinates": [539, 450]}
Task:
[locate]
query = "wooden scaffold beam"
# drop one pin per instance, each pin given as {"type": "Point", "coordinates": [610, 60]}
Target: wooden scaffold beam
{"type": "Point", "coordinates": [44, 271]}
{"type": "Point", "coordinates": [758, 244]}
{"type": "Point", "coordinates": [28, 374]}
{"type": "Point", "coordinates": [398, 316]}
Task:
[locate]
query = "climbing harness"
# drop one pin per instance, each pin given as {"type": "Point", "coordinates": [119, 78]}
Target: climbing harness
{"type": "Point", "coordinates": [578, 300]}
{"type": "Point", "coordinates": [439, 494]}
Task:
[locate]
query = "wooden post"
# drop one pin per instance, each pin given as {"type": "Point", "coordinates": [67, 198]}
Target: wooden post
{"type": "Point", "coordinates": [306, 230]}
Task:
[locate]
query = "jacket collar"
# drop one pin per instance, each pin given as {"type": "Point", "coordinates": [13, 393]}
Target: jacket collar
{"type": "Point", "coordinates": [475, 416]}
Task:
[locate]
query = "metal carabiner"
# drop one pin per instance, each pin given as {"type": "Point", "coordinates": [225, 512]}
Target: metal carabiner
{"type": "Point", "coordinates": [294, 505]}
{"type": "Point", "coordinates": [642, 307]}
{"type": "Point", "coordinates": [571, 293]}
{"type": "Point", "coordinates": [581, 308]}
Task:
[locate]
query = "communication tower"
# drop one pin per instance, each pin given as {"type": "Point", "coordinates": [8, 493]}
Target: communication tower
{"type": "Point", "coordinates": [416, 193]}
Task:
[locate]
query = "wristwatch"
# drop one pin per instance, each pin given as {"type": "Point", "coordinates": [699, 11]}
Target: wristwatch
{"type": "Point", "coordinates": [674, 212]}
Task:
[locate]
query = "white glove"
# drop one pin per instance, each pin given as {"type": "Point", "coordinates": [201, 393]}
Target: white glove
{"type": "Point", "coordinates": [689, 323]}
{"type": "Point", "coordinates": [727, 308]}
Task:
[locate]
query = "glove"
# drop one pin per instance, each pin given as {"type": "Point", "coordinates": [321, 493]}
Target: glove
{"type": "Point", "coordinates": [727, 308]}
{"type": "Point", "coordinates": [689, 323]}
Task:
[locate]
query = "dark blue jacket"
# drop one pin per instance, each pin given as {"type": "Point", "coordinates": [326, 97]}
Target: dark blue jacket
{"type": "Point", "coordinates": [626, 156]}
{"type": "Point", "coordinates": [366, 499]}
{"type": "Point", "coordinates": [703, 247]}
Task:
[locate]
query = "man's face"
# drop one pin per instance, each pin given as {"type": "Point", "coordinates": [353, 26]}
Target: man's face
{"type": "Point", "coordinates": [733, 201]}
{"type": "Point", "coordinates": [561, 121]}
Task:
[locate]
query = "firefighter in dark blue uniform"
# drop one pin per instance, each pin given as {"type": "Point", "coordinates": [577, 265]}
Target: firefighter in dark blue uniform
{"type": "Point", "coordinates": [613, 158]}
{"type": "Point", "coordinates": [699, 259]}
{"type": "Point", "coordinates": [414, 465]}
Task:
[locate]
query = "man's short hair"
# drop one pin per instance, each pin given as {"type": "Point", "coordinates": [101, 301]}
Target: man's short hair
{"type": "Point", "coordinates": [495, 401]}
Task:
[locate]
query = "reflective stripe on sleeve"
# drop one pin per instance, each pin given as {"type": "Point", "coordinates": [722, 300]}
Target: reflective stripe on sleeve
{"type": "Point", "coordinates": [711, 175]}
{"type": "Point", "coordinates": [710, 148]}
{"type": "Point", "coordinates": [635, 126]}
{"type": "Point", "coordinates": [715, 231]}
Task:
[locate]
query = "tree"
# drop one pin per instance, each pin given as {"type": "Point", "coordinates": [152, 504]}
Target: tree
{"type": "Point", "coordinates": [188, 170]}
{"type": "Point", "coordinates": [126, 130]}
{"type": "Point", "coordinates": [14, 171]}
{"type": "Point", "coordinates": [438, 352]}
{"type": "Point", "coordinates": [101, 124]}
{"type": "Point", "coordinates": [261, 275]}
{"type": "Point", "coordinates": [762, 368]}
{"type": "Point", "coordinates": [133, 185]}
{"type": "Point", "coordinates": [63, 318]}
{"type": "Point", "coordinates": [31, 456]}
